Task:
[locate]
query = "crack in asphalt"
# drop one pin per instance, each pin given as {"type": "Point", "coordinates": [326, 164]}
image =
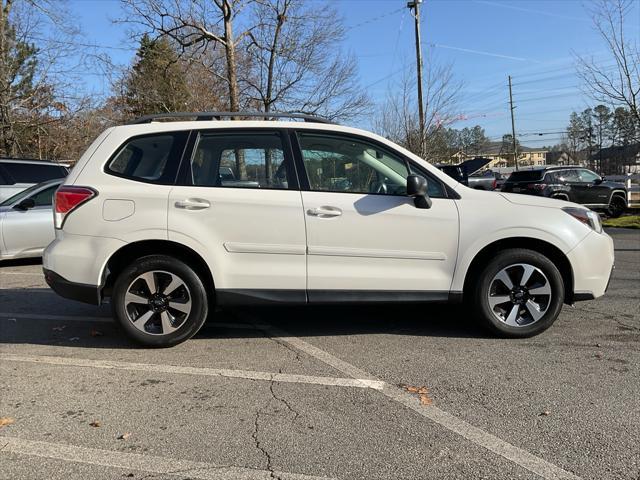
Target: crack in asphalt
{"type": "Point", "coordinates": [283, 400]}
{"type": "Point", "coordinates": [258, 444]}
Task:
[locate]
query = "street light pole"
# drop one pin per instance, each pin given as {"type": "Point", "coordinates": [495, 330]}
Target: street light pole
{"type": "Point", "coordinates": [415, 5]}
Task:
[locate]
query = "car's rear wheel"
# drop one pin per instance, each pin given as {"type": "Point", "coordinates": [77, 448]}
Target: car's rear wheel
{"type": "Point", "coordinates": [617, 206]}
{"type": "Point", "coordinates": [159, 301]}
{"type": "Point", "coordinates": [519, 293]}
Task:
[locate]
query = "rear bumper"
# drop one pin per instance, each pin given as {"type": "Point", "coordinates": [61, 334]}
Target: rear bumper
{"type": "Point", "coordinates": [71, 290]}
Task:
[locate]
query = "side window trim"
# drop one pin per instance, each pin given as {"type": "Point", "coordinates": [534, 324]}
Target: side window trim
{"type": "Point", "coordinates": [304, 177]}
{"type": "Point", "coordinates": [184, 174]}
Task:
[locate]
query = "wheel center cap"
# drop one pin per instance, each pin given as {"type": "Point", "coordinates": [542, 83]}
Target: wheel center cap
{"type": "Point", "coordinates": [519, 295]}
{"type": "Point", "coordinates": [158, 303]}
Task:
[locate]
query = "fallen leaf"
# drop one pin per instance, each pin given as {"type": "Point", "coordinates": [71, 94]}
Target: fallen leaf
{"type": "Point", "coordinates": [124, 436]}
{"type": "Point", "coordinates": [546, 413]}
{"type": "Point", "coordinates": [95, 423]}
{"type": "Point", "coordinates": [6, 421]}
{"type": "Point", "coordinates": [425, 399]}
{"type": "Point", "coordinates": [598, 355]}
{"type": "Point", "coordinates": [96, 333]}
{"type": "Point", "coordinates": [423, 392]}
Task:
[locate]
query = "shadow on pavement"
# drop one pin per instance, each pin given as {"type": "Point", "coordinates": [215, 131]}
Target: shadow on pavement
{"type": "Point", "coordinates": [301, 321]}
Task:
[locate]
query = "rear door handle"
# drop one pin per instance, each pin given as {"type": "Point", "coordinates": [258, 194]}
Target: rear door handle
{"type": "Point", "coordinates": [193, 204]}
{"type": "Point", "coordinates": [324, 212]}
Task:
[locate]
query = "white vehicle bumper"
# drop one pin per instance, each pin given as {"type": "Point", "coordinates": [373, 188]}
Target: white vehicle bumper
{"type": "Point", "coordinates": [73, 268]}
{"type": "Point", "coordinates": [592, 261]}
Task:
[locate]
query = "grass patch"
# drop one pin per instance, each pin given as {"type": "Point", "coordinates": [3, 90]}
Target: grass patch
{"type": "Point", "coordinates": [629, 221]}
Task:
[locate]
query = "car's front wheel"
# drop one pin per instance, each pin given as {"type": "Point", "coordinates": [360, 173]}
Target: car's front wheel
{"type": "Point", "coordinates": [159, 301]}
{"type": "Point", "coordinates": [519, 293]}
{"type": "Point", "coordinates": [617, 206]}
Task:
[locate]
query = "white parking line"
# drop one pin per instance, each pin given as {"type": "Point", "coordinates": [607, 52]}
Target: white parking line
{"type": "Point", "coordinates": [31, 274]}
{"type": "Point", "coordinates": [145, 463]}
{"type": "Point", "coordinates": [476, 435]}
{"type": "Point", "coordinates": [201, 371]}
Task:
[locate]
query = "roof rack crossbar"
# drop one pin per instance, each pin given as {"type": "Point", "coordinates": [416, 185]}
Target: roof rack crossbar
{"type": "Point", "coordinates": [204, 116]}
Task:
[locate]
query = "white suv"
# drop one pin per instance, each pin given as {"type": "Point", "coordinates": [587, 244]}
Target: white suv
{"type": "Point", "coordinates": [169, 219]}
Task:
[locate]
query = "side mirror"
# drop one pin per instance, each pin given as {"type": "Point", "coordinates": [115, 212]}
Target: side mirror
{"type": "Point", "coordinates": [417, 189]}
{"type": "Point", "coordinates": [26, 204]}
{"type": "Point", "coordinates": [599, 180]}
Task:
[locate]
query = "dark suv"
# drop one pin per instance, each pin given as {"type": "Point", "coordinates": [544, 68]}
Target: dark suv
{"type": "Point", "coordinates": [573, 184]}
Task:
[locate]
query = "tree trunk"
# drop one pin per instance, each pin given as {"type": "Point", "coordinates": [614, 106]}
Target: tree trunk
{"type": "Point", "coordinates": [230, 50]}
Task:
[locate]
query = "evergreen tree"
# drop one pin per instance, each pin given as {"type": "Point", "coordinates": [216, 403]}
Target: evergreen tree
{"type": "Point", "coordinates": [156, 82]}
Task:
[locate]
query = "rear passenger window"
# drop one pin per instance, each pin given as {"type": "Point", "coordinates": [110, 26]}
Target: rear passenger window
{"type": "Point", "coordinates": [33, 172]}
{"type": "Point", "coordinates": [240, 160]}
{"type": "Point", "coordinates": [149, 158]}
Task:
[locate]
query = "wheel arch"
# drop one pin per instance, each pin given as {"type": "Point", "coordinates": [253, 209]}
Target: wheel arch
{"type": "Point", "coordinates": [618, 193]}
{"type": "Point", "coordinates": [541, 246]}
{"type": "Point", "coordinates": [131, 251]}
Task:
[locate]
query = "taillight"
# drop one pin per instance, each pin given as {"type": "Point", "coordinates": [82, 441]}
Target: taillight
{"type": "Point", "coordinates": [494, 185]}
{"type": "Point", "coordinates": [69, 198]}
{"type": "Point", "coordinates": [536, 186]}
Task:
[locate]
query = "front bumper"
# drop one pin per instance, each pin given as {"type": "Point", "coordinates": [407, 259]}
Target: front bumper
{"type": "Point", "coordinates": [74, 291]}
{"type": "Point", "coordinates": [592, 262]}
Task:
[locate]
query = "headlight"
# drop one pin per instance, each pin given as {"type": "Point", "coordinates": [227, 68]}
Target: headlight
{"type": "Point", "coordinates": [590, 218]}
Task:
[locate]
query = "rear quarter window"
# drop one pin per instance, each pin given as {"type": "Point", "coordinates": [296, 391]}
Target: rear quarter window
{"type": "Point", "coordinates": [150, 158]}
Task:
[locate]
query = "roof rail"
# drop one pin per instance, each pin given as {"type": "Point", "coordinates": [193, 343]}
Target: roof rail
{"type": "Point", "coordinates": [203, 116]}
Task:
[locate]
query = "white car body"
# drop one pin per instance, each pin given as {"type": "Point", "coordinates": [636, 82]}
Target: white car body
{"type": "Point", "coordinates": [24, 233]}
{"type": "Point", "coordinates": [263, 245]}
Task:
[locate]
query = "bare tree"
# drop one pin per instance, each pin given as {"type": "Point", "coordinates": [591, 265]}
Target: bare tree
{"type": "Point", "coordinates": [620, 85]}
{"type": "Point", "coordinates": [36, 78]}
{"type": "Point", "coordinates": [398, 117]}
{"type": "Point", "coordinates": [196, 26]}
{"type": "Point", "coordinates": [296, 61]}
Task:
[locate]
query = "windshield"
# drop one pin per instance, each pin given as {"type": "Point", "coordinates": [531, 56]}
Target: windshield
{"type": "Point", "coordinates": [20, 196]}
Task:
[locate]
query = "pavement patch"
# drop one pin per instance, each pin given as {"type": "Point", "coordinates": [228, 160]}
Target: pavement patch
{"type": "Point", "coordinates": [476, 435]}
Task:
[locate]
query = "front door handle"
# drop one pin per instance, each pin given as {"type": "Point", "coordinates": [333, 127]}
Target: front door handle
{"type": "Point", "coordinates": [324, 212]}
{"type": "Point", "coordinates": [193, 204]}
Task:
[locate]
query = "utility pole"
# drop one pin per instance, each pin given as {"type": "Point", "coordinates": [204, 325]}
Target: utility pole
{"type": "Point", "coordinates": [415, 5]}
{"type": "Point", "coordinates": [513, 126]}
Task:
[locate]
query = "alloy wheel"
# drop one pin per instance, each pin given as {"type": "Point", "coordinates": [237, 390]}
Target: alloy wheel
{"type": "Point", "coordinates": [157, 302]}
{"type": "Point", "coordinates": [519, 295]}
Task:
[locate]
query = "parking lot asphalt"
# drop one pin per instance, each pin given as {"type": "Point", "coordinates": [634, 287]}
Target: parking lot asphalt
{"type": "Point", "coordinates": [301, 393]}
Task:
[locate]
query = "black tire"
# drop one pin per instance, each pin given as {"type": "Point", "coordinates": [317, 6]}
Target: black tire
{"type": "Point", "coordinates": [485, 279]}
{"type": "Point", "coordinates": [190, 322]}
{"type": "Point", "coordinates": [617, 206]}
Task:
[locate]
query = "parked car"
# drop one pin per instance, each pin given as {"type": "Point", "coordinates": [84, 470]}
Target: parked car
{"type": "Point", "coordinates": [573, 184]}
{"type": "Point", "coordinates": [26, 221]}
{"type": "Point", "coordinates": [487, 180]}
{"type": "Point", "coordinates": [136, 222]}
{"type": "Point", "coordinates": [468, 173]}
{"type": "Point", "coordinates": [17, 175]}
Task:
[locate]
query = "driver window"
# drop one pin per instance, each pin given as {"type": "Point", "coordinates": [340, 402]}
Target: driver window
{"type": "Point", "coordinates": [44, 198]}
{"type": "Point", "coordinates": [587, 176]}
{"type": "Point", "coordinates": [342, 164]}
